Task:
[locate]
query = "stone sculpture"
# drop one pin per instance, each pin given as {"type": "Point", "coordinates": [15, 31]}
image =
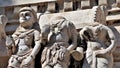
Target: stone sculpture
{"type": "Point", "coordinates": [100, 45]}
{"type": "Point", "coordinates": [3, 22]}
{"type": "Point", "coordinates": [3, 51]}
{"type": "Point", "coordinates": [59, 38]}
{"type": "Point", "coordinates": [21, 43]}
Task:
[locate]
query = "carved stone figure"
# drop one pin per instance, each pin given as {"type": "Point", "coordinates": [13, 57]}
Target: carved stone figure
{"type": "Point", "coordinates": [60, 37]}
{"type": "Point", "coordinates": [3, 51]}
{"type": "Point", "coordinates": [100, 45]}
{"type": "Point", "coordinates": [3, 21]}
{"type": "Point", "coordinates": [21, 44]}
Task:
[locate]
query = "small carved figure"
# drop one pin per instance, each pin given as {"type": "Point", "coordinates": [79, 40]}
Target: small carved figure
{"type": "Point", "coordinates": [3, 51]}
{"type": "Point", "coordinates": [3, 22]}
{"type": "Point", "coordinates": [100, 45]}
{"type": "Point", "coordinates": [61, 39]}
{"type": "Point", "coordinates": [21, 44]}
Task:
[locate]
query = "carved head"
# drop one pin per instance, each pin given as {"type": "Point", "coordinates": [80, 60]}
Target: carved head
{"type": "Point", "coordinates": [27, 16]}
{"type": "Point", "coordinates": [3, 20]}
{"type": "Point", "coordinates": [86, 33]}
{"type": "Point", "coordinates": [45, 31]}
{"type": "Point", "coordinates": [56, 19]}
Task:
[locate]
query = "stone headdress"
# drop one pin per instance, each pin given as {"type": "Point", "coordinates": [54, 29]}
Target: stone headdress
{"type": "Point", "coordinates": [31, 10]}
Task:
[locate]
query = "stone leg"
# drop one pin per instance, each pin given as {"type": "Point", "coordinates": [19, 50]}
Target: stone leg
{"type": "Point", "coordinates": [47, 66]}
{"type": "Point", "coordinates": [13, 63]}
{"type": "Point", "coordinates": [63, 65]}
{"type": "Point", "coordinates": [31, 65]}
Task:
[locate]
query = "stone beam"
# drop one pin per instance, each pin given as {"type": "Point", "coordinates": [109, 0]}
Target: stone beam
{"type": "Point", "coordinates": [113, 17]}
{"type": "Point", "coordinates": [80, 18]}
{"type": "Point", "coordinates": [5, 3]}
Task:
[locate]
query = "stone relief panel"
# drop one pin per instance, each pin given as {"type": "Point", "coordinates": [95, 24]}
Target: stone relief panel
{"type": "Point", "coordinates": [51, 34]}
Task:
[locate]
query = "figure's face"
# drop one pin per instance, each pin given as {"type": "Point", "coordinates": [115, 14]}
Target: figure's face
{"type": "Point", "coordinates": [26, 18]}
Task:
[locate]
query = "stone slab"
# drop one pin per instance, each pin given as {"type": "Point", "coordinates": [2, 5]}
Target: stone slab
{"type": "Point", "coordinates": [113, 17]}
{"type": "Point", "coordinates": [5, 3]}
{"type": "Point", "coordinates": [80, 18]}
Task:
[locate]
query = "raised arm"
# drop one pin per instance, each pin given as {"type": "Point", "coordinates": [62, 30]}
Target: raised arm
{"type": "Point", "coordinates": [37, 44]}
{"type": "Point", "coordinates": [112, 38]}
{"type": "Point", "coordinates": [73, 36]}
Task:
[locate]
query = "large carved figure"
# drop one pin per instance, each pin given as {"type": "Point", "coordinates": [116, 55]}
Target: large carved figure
{"type": "Point", "coordinates": [61, 39]}
{"type": "Point", "coordinates": [21, 44]}
{"type": "Point", "coordinates": [100, 45]}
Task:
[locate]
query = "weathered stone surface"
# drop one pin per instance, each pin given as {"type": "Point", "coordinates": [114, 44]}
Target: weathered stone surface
{"type": "Point", "coordinates": [118, 3]}
{"type": "Point", "coordinates": [68, 5]}
{"type": "Point", "coordinates": [85, 4]}
{"type": "Point", "coordinates": [103, 2]}
{"type": "Point", "coordinates": [113, 17]}
{"type": "Point", "coordinates": [51, 7]}
{"type": "Point", "coordinates": [78, 17]}
{"type": "Point", "coordinates": [116, 65]}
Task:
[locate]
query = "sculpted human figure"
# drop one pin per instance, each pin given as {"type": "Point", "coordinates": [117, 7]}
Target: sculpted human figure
{"type": "Point", "coordinates": [61, 39]}
{"type": "Point", "coordinates": [21, 44]}
{"type": "Point", "coordinates": [100, 45]}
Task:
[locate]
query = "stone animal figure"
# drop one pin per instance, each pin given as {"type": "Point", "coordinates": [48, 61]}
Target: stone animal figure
{"type": "Point", "coordinates": [21, 42]}
{"type": "Point", "coordinates": [56, 37]}
{"type": "Point", "coordinates": [100, 46]}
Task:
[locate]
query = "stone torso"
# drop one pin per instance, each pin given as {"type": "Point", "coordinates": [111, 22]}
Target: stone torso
{"type": "Point", "coordinates": [24, 43]}
{"type": "Point", "coordinates": [59, 34]}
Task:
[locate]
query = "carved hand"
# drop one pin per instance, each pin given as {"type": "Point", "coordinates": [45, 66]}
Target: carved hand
{"type": "Point", "coordinates": [22, 35]}
{"type": "Point", "coordinates": [63, 53]}
{"type": "Point", "coordinates": [9, 41]}
{"type": "Point", "coordinates": [28, 60]}
{"type": "Point", "coordinates": [100, 52]}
